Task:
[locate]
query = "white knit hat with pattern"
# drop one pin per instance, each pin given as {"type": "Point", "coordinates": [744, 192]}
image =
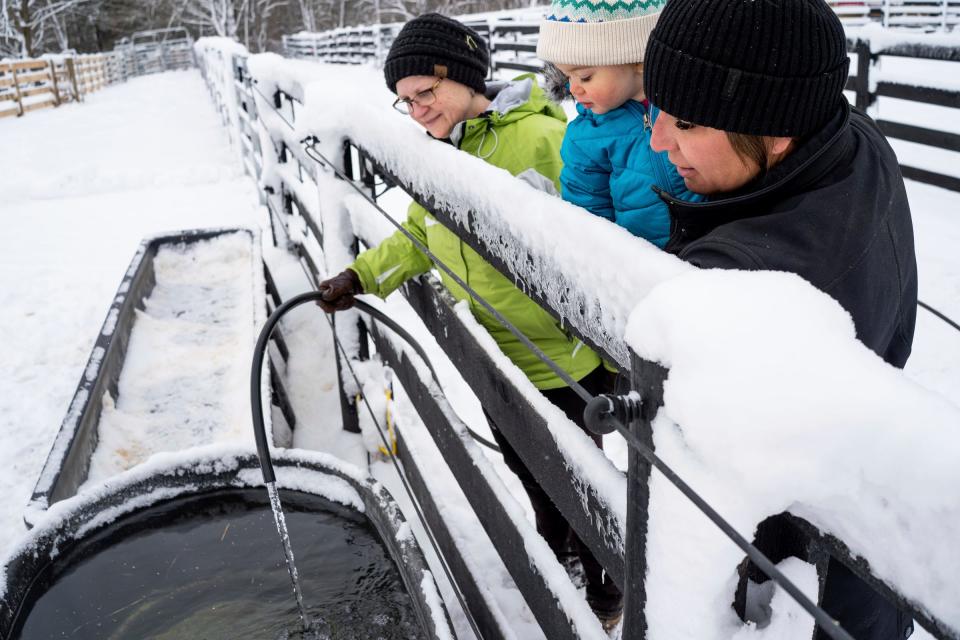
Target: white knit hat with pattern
{"type": "Point", "coordinates": [597, 32]}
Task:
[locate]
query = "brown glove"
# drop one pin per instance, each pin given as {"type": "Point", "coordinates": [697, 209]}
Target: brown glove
{"type": "Point", "coordinates": [338, 292]}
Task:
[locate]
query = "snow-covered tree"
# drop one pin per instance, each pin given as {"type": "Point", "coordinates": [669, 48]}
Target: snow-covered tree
{"type": "Point", "coordinates": [218, 17]}
{"type": "Point", "coordinates": [26, 21]}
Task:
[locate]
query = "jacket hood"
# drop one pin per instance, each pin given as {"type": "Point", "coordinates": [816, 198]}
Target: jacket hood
{"type": "Point", "coordinates": [511, 101]}
{"type": "Point", "coordinates": [555, 83]}
{"type": "Point", "coordinates": [519, 98]}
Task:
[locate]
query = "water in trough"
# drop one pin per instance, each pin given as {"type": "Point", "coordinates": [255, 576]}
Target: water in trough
{"type": "Point", "coordinates": [210, 567]}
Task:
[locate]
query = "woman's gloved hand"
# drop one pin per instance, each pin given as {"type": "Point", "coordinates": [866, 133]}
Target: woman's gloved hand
{"type": "Point", "coordinates": [337, 292]}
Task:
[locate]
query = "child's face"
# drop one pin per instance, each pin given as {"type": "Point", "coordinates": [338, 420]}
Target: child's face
{"type": "Point", "coordinates": [604, 88]}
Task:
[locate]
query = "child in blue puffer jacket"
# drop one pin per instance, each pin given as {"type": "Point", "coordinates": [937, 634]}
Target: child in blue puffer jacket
{"type": "Point", "coordinates": [609, 167]}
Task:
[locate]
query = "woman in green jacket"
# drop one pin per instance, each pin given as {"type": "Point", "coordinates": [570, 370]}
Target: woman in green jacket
{"type": "Point", "coordinates": [437, 66]}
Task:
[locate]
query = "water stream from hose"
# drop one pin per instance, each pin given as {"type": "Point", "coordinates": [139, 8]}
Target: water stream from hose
{"type": "Point", "coordinates": [287, 550]}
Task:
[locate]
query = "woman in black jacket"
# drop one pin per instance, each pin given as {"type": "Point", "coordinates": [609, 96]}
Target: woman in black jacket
{"type": "Point", "coordinates": [754, 118]}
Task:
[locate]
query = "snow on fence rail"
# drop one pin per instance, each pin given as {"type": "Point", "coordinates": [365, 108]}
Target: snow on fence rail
{"type": "Point", "coordinates": [927, 15]}
{"type": "Point", "coordinates": [513, 45]}
{"type": "Point", "coordinates": [923, 15]}
{"type": "Point", "coordinates": [354, 45]}
{"type": "Point", "coordinates": [772, 409]}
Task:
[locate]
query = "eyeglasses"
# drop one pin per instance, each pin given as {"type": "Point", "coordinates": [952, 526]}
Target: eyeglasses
{"type": "Point", "coordinates": [424, 98]}
{"type": "Point", "coordinates": [684, 125]}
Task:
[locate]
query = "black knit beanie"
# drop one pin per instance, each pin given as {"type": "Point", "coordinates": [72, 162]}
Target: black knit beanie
{"type": "Point", "coordinates": [435, 45]}
{"type": "Point", "coordinates": [760, 67]}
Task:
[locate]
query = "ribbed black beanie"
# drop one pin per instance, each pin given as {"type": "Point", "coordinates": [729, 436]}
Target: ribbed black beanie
{"type": "Point", "coordinates": [761, 67]}
{"type": "Point", "coordinates": [435, 45]}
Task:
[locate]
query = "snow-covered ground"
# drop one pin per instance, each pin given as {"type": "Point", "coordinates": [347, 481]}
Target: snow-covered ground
{"type": "Point", "coordinates": [82, 184]}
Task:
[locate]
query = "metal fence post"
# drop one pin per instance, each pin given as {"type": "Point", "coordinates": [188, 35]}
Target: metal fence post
{"type": "Point", "coordinates": [348, 406]}
{"type": "Point", "coordinates": [647, 379]}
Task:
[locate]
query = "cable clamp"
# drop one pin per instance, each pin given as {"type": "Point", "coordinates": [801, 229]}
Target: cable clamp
{"type": "Point", "coordinates": [603, 412]}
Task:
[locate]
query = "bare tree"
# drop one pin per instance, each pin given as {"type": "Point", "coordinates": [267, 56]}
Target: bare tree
{"type": "Point", "coordinates": [218, 16]}
{"type": "Point", "coordinates": [306, 14]}
{"type": "Point", "coordinates": [28, 27]}
{"type": "Point", "coordinates": [264, 11]}
{"type": "Point", "coordinates": [26, 21]}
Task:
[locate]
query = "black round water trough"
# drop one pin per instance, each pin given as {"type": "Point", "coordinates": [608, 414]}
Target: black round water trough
{"type": "Point", "coordinates": [190, 550]}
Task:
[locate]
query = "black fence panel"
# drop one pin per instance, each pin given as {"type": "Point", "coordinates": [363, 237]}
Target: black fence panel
{"type": "Point", "coordinates": [525, 428]}
{"type": "Point", "coordinates": [458, 450]}
{"type": "Point", "coordinates": [479, 609]}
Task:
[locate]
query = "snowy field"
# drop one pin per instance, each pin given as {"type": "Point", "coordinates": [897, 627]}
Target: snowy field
{"type": "Point", "coordinates": [81, 186]}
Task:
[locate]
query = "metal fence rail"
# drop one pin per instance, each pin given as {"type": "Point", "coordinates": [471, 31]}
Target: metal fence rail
{"type": "Point", "coordinates": [158, 50]}
{"type": "Point", "coordinates": [355, 45]}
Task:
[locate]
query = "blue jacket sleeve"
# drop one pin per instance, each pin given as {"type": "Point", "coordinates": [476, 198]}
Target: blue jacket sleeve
{"type": "Point", "coordinates": [585, 177]}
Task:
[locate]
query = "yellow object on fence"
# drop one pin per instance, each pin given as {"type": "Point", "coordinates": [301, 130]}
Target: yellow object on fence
{"type": "Point", "coordinates": [390, 430]}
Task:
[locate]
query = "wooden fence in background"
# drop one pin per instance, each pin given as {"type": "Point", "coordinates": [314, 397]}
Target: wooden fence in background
{"type": "Point", "coordinates": [28, 85]}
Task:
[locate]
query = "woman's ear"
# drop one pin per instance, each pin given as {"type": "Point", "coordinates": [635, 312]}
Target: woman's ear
{"type": "Point", "coordinates": [780, 145]}
{"type": "Point", "coordinates": [778, 148]}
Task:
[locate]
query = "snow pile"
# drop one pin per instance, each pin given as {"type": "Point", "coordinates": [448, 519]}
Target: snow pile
{"type": "Point", "coordinates": [184, 378]}
{"type": "Point", "coordinates": [882, 39]}
{"type": "Point", "coordinates": [274, 72]}
{"type": "Point", "coordinates": [772, 405]}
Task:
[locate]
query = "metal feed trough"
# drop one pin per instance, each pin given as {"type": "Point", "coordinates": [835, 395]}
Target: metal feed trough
{"type": "Point", "coordinates": [62, 527]}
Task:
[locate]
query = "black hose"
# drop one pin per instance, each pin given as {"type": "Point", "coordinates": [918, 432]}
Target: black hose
{"type": "Point", "coordinates": [259, 352]}
{"type": "Point", "coordinates": [260, 434]}
{"type": "Point", "coordinates": [256, 375]}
